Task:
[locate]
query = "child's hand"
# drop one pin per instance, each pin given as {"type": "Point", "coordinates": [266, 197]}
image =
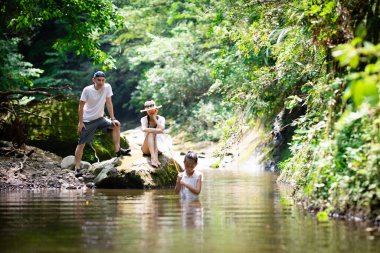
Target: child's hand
{"type": "Point", "coordinates": [179, 176]}
{"type": "Point", "coordinates": [182, 182]}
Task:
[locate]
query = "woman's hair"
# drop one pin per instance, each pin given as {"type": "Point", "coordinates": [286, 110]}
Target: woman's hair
{"type": "Point", "coordinates": [147, 118]}
{"type": "Point", "coordinates": [192, 156]}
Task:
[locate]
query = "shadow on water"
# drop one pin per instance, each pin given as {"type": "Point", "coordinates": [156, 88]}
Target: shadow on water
{"type": "Point", "coordinates": [239, 210]}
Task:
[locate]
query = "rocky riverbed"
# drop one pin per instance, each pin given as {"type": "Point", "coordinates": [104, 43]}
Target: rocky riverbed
{"type": "Point", "coordinates": [31, 168]}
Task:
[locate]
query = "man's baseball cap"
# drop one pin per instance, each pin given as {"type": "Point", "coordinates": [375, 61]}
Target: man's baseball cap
{"type": "Point", "coordinates": [99, 74]}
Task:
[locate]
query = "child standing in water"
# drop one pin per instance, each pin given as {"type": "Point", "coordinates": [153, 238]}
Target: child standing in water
{"type": "Point", "coordinates": [189, 182]}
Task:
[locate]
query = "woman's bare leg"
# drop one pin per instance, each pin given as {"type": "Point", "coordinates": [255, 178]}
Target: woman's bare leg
{"type": "Point", "coordinates": [148, 147]}
{"type": "Point", "coordinates": [145, 146]}
{"type": "Point", "coordinates": [156, 149]}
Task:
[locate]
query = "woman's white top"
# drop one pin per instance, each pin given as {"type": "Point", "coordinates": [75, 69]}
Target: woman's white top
{"type": "Point", "coordinates": [193, 181]}
{"type": "Point", "coordinates": [144, 122]}
{"type": "Point", "coordinates": [95, 101]}
{"type": "Point", "coordinates": [164, 141]}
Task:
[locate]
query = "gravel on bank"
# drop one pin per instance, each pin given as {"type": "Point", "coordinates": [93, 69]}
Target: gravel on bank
{"type": "Point", "coordinates": [32, 168]}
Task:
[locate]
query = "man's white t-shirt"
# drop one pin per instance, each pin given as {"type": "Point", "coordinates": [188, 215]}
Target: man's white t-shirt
{"type": "Point", "coordinates": [95, 101]}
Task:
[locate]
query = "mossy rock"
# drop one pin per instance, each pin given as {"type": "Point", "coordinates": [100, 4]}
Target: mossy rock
{"type": "Point", "coordinates": [110, 178]}
{"type": "Point", "coordinates": [104, 147]}
{"type": "Point", "coordinates": [142, 175]}
{"type": "Point", "coordinates": [167, 176]}
{"type": "Point", "coordinates": [60, 134]}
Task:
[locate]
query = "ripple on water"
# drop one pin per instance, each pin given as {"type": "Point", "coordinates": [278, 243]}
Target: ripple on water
{"type": "Point", "coordinates": [237, 211]}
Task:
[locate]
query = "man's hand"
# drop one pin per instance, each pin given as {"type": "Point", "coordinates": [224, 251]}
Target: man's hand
{"type": "Point", "coordinates": [80, 127]}
{"type": "Point", "coordinates": [115, 122]}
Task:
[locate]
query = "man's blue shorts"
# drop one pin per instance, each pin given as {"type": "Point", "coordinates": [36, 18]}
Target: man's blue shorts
{"type": "Point", "coordinates": [88, 132]}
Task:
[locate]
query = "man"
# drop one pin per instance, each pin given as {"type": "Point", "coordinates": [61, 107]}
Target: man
{"type": "Point", "coordinates": [91, 117]}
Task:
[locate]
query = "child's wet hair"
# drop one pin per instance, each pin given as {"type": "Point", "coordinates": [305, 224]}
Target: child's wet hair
{"type": "Point", "coordinates": [191, 156]}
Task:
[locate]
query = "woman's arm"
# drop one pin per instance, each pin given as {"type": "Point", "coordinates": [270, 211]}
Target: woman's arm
{"type": "Point", "coordinates": [160, 125]}
{"type": "Point", "coordinates": [197, 189]}
{"type": "Point", "coordinates": [152, 130]}
{"type": "Point", "coordinates": [144, 123]}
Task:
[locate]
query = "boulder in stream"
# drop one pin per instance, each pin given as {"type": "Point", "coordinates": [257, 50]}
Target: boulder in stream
{"type": "Point", "coordinates": [138, 174]}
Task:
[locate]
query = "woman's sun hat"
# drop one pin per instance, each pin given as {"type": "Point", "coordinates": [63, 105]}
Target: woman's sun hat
{"type": "Point", "coordinates": [150, 105]}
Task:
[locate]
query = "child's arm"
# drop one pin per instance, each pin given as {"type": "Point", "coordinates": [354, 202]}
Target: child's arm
{"type": "Point", "coordinates": [196, 190]}
{"type": "Point", "coordinates": [178, 183]}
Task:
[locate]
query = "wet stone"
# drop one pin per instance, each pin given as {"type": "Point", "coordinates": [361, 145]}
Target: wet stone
{"type": "Point", "coordinates": [71, 187]}
{"type": "Point", "coordinates": [90, 185]}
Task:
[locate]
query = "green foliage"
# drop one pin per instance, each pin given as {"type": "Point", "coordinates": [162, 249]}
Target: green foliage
{"type": "Point", "coordinates": [83, 23]}
{"type": "Point", "coordinates": [217, 66]}
{"type": "Point", "coordinates": [272, 57]}
{"type": "Point", "coordinates": [15, 72]}
{"type": "Point", "coordinates": [322, 216]}
{"type": "Point", "coordinates": [179, 76]}
{"type": "Point", "coordinates": [364, 85]}
{"type": "Point", "coordinates": [337, 165]}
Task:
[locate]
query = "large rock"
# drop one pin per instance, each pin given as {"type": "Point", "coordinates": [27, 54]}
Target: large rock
{"type": "Point", "coordinates": [110, 177]}
{"type": "Point", "coordinates": [132, 171]}
{"type": "Point", "coordinates": [98, 167]}
{"type": "Point", "coordinates": [143, 175]}
{"type": "Point", "coordinates": [140, 175]}
{"type": "Point", "coordinates": [59, 134]}
{"type": "Point", "coordinates": [69, 162]}
{"type": "Point", "coordinates": [135, 171]}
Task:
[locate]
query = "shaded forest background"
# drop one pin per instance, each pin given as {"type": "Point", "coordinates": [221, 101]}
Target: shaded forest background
{"type": "Point", "coordinates": [308, 70]}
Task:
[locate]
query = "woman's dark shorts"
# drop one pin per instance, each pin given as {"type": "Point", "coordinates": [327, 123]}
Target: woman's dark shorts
{"type": "Point", "coordinates": [88, 132]}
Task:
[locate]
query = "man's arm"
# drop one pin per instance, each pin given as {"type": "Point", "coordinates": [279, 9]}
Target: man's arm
{"type": "Point", "coordinates": [80, 116]}
{"type": "Point", "coordinates": [110, 107]}
{"type": "Point", "coordinates": [110, 111]}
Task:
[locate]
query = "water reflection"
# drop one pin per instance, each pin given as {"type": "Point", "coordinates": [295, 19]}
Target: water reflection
{"type": "Point", "coordinates": [191, 213]}
{"type": "Point", "coordinates": [237, 211]}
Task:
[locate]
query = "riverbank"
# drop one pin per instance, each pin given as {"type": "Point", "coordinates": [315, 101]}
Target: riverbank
{"type": "Point", "coordinates": [32, 168]}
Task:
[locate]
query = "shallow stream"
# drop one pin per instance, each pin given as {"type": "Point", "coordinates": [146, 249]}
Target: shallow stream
{"type": "Point", "coordinates": [238, 211]}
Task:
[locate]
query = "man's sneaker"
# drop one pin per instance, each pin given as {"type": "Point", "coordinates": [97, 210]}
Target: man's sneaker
{"type": "Point", "coordinates": [123, 151]}
{"type": "Point", "coordinates": [78, 173]}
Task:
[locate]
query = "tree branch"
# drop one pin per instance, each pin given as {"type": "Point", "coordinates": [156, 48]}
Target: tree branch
{"type": "Point", "coordinates": [66, 87]}
{"type": "Point", "coordinates": [24, 92]}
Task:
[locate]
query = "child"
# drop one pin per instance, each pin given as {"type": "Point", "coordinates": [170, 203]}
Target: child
{"type": "Point", "coordinates": [189, 182]}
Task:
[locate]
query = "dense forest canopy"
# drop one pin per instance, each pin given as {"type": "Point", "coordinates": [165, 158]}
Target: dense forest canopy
{"type": "Point", "coordinates": [219, 66]}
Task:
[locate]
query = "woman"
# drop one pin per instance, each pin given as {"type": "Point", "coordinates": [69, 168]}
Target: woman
{"type": "Point", "coordinates": [153, 125]}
